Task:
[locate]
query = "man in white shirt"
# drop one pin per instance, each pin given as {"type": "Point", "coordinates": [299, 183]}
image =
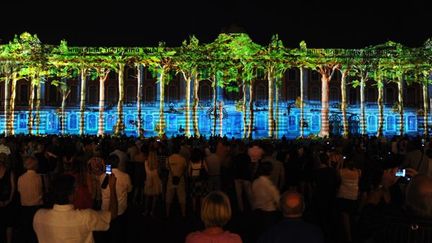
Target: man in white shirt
{"type": "Point", "coordinates": [30, 188]}
{"type": "Point", "coordinates": [123, 187]}
{"type": "Point", "coordinates": [63, 223]}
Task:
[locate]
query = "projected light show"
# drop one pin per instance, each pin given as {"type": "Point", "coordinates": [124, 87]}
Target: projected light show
{"type": "Point", "coordinates": [230, 87]}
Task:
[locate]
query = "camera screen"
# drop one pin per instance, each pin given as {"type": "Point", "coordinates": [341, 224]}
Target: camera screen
{"type": "Point", "coordinates": [108, 169]}
{"type": "Point", "coordinates": [400, 173]}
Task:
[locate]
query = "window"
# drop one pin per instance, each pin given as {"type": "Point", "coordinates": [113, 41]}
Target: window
{"type": "Point", "coordinates": [130, 94]}
{"type": "Point", "coordinates": [131, 73]}
{"type": "Point", "coordinates": [315, 93]}
{"type": "Point", "coordinates": [372, 123]}
{"type": "Point", "coordinates": [112, 75]}
{"type": "Point", "coordinates": [52, 122]}
{"type": "Point", "coordinates": [149, 94]}
{"type": "Point", "coordinates": [372, 95]}
{"type": "Point", "coordinates": [22, 121]}
{"type": "Point", "coordinates": [172, 123]}
{"type": "Point", "coordinates": [390, 95]}
{"type": "Point", "coordinates": [53, 94]}
{"type": "Point", "coordinates": [411, 96]}
{"type": "Point", "coordinates": [73, 94]}
{"type": "Point", "coordinates": [129, 122]}
{"type": "Point", "coordinates": [292, 92]}
{"type": "Point", "coordinates": [148, 74]}
{"type": "Point", "coordinates": [412, 123]}
{"type": "Point", "coordinates": [172, 93]}
{"type": "Point", "coordinates": [110, 122]}
{"type": "Point", "coordinates": [391, 123]}
{"type": "Point", "coordinates": [24, 93]}
{"type": "Point", "coordinates": [315, 75]}
{"type": "Point", "coordinates": [148, 122]}
{"type": "Point", "coordinates": [292, 73]}
{"type": "Point", "coordinates": [315, 123]}
{"type": "Point", "coordinates": [334, 94]}
{"type": "Point", "coordinates": [292, 123]}
{"type": "Point", "coordinates": [353, 96]}
{"type": "Point", "coordinates": [92, 94]}
{"type": "Point", "coordinates": [261, 92]}
{"type": "Point", "coordinates": [205, 91]}
{"type": "Point", "coordinates": [73, 121]}
{"type": "Point", "coordinates": [111, 94]}
{"type": "Point", "coordinates": [91, 122]}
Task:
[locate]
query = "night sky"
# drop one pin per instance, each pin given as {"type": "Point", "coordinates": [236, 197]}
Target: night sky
{"type": "Point", "coordinates": [337, 24]}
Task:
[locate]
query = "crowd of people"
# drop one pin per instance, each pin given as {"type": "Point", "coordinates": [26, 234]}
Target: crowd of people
{"type": "Point", "coordinates": [358, 189]}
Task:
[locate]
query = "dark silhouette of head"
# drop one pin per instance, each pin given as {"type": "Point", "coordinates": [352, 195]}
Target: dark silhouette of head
{"type": "Point", "coordinates": [292, 204]}
{"type": "Point", "coordinates": [63, 188]}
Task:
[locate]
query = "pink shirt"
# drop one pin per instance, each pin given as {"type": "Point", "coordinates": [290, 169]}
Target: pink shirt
{"type": "Point", "coordinates": [225, 237]}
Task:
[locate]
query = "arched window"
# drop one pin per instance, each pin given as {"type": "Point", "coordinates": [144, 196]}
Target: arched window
{"type": "Point", "coordinates": [53, 94]}
{"type": "Point", "coordinates": [353, 96]}
{"type": "Point", "coordinates": [92, 95]}
{"type": "Point", "coordinates": [372, 123]}
{"type": "Point", "coordinates": [131, 73]}
{"type": "Point", "coordinates": [52, 122]}
{"type": "Point", "coordinates": [73, 121]}
{"type": "Point", "coordinates": [149, 94]}
{"type": "Point", "coordinates": [111, 96]}
{"type": "Point", "coordinates": [411, 96]}
{"type": "Point", "coordinates": [315, 75]}
{"type": "Point", "coordinates": [172, 93]}
{"type": "Point", "coordinates": [24, 93]}
{"type": "Point", "coordinates": [91, 122]}
{"type": "Point", "coordinates": [390, 95]}
{"type": "Point", "coordinates": [130, 94]}
{"type": "Point", "coordinates": [334, 94]}
{"type": "Point", "coordinates": [371, 95]}
{"type": "Point", "coordinates": [72, 98]}
{"type": "Point", "coordinates": [315, 93]}
{"type": "Point", "coordinates": [261, 92]}
{"type": "Point", "coordinates": [292, 74]}
{"type": "Point", "coordinates": [205, 91]}
{"type": "Point", "coordinates": [391, 123]}
{"type": "Point", "coordinates": [292, 92]}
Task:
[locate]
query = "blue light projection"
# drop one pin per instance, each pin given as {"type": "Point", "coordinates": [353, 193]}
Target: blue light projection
{"type": "Point", "coordinates": [289, 122]}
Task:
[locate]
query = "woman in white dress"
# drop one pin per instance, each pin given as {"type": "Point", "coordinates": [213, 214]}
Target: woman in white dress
{"type": "Point", "coordinates": [153, 184]}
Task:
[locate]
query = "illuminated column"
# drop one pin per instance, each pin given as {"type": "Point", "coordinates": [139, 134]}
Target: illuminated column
{"type": "Point", "coordinates": [158, 89]}
{"type": "Point", "coordinates": [304, 80]}
{"type": "Point", "coordinates": [6, 106]}
{"type": "Point", "coordinates": [140, 78]}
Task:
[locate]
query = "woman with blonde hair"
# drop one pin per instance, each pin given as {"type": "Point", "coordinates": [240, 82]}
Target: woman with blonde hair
{"type": "Point", "coordinates": [215, 213]}
{"type": "Point", "coordinates": [153, 184]}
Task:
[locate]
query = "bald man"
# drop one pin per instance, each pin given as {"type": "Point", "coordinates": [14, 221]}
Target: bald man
{"type": "Point", "coordinates": [292, 229]}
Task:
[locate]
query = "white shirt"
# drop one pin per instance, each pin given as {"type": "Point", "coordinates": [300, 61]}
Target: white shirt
{"type": "Point", "coordinates": [64, 224]}
{"type": "Point", "coordinates": [123, 187]}
{"type": "Point", "coordinates": [30, 188]}
{"type": "Point", "coordinates": [265, 195]}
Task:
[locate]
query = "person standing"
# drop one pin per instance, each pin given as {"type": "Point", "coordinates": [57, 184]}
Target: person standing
{"type": "Point", "coordinates": [153, 184]}
{"type": "Point", "coordinates": [215, 213]}
{"type": "Point", "coordinates": [63, 223]}
{"type": "Point", "coordinates": [292, 228]}
{"type": "Point", "coordinates": [123, 187]}
{"type": "Point", "coordinates": [30, 189]}
{"type": "Point", "coordinates": [7, 195]}
{"type": "Point", "coordinates": [176, 165]}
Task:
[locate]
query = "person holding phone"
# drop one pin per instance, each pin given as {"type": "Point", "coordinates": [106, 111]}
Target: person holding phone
{"type": "Point", "coordinates": [63, 223]}
{"type": "Point", "coordinates": [123, 187]}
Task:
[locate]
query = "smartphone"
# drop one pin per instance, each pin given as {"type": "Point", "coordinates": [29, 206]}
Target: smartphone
{"type": "Point", "coordinates": [108, 170]}
{"type": "Point", "coordinates": [400, 173]}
